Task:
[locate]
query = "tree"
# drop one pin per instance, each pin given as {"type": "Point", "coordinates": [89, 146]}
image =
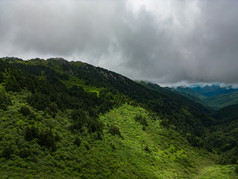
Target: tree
{"type": "Point", "coordinates": [77, 141]}
{"type": "Point", "coordinates": [114, 130]}
{"type": "Point", "coordinates": [12, 84]}
{"type": "Point", "coordinates": [47, 139]}
{"type": "Point", "coordinates": [25, 110]}
{"type": "Point", "coordinates": [4, 100]}
{"type": "Point", "coordinates": [142, 120]}
{"type": "Point", "coordinates": [31, 133]}
{"type": "Point", "coordinates": [7, 152]}
{"type": "Point", "coordinates": [1, 77]}
{"type": "Point", "coordinates": [39, 100]}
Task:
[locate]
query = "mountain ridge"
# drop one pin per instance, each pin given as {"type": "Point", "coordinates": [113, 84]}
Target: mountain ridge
{"type": "Point", "coordinates": [215, 102]}
{"type": "Point", "coordinates": [61, 119]}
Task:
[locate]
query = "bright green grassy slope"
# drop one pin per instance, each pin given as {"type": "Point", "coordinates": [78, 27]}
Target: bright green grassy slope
{"type": "Point", "coordinates": [218, 172]}
{"type": "Point", "coordinates": [152, 152]}
{"type": "Point", "coordinates": [156, 152]}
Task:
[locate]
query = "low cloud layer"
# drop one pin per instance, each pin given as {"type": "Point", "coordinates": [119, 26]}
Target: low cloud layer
{"type": "Point", "coordinates": [162, 41]}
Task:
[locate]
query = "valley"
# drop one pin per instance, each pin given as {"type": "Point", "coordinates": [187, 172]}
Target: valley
{"type": "Point", "coordinates": [214, 98]}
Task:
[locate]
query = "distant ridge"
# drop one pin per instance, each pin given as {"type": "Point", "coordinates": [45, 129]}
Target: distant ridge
{"type": "Point", "coordinates": [214, 96]}
{"type": "Point", "coordinates": [212, 90]}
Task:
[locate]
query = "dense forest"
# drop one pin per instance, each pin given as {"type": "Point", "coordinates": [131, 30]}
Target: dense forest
{"type": "Point", "coordinates": [71, 119]}
{"type": "Point", "coordinates": [212, 97]}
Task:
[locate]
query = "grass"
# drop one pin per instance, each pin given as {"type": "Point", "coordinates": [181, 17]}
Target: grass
{"type": "Point", "coordinates": [168, 152]}
{"type": "Point", "coordinates": [150, 151]}
{"type": "Point", "coordinates": [218, 172]}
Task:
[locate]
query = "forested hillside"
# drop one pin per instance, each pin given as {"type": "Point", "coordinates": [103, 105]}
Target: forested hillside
{"type": "Point", "coordinates": [224, 133]}
{"type": "Point", "coordinates": [61, 119]}
{"type": "Point", "coordinates": [191, 94]}
{"type": "Point", "coordinates": [212, 90]}
{"type": "Point", "coordinates": [223, 98]}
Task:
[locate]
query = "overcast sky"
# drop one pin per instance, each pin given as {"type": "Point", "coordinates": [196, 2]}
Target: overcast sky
{"type": "Point", "coordinates": [164, 41]}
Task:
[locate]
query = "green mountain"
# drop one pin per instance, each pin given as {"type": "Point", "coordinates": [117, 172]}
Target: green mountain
{"type": "Point", "coordinates": [224, 134]}
{"type": "Point", "coordinates": [214, 102]}
{"type": "Point", "coordinates": [192, 102]}
{"type": "Point", "coordinates": [192, 95]}
{"type": "Point", "coordinates": [61, 119]}
{"type": "Point", "coordinates": [222, 100]}
{"type": "Point", "coordinates": [227, 114]}
{"type": "Point", "coordinates": [212, 90]}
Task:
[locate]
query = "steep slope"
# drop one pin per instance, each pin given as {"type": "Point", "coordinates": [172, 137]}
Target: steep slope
{"type": "Point", "coordinates": [227, 114]}
{"type": "Point", "coordinates": [191, 94]}
{"type": "Point", "coordinates": [126, 147]}
{"type": "Point", "coordinates": [223, 135]}
{"type": "Point", "coordinates": [182, 113]}
{"type": "Point", "coordinates": [172, 92]}
{"type": "Point", "coordinates": [71, 119]}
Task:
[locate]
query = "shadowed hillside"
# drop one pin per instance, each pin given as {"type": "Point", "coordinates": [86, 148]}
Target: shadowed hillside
{"type": "Point", "coordinates": [71, 119]}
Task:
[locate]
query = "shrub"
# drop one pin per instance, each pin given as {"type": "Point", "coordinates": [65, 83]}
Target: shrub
{"type": "Point", "coordinates": [94, 125]}
{"type": "Point", "coordinates": [184, 160]}
{"type": "Point", "coordinates": [57, 137]}
{"type": "Point", "coordinates": [78, 114]}
{"type": "Point", "coordinates": [236, 169]}
{"type": "Point", "coordinates": [52, 109]}
{"type": "Point", "coordinates": [99, 135]}
{"type": "Point", "coordinates": [147, 149]}
{"type": "Point", "coordinates": [7, 152]}
{"type": "Point", "coordinates": [77, 141]}
{"type": "Point", "coordinates": [114, 130]}
{"type": "Point", "coordinates": [39, 100]}
{"type": "Point", "coordinates": [1, 77]}
{"type": "Point", "coordinates": [24, 153]}
{"type": "Point", "coordinates": [4, 100]}
{"type": "Point", "coordinates": [233, 159]}
{"type": "Point", "coordinates": [142, 120]}
{"type": "Point", "coordinates": [47, 139]}
{"type": "Point", "coordinates": [113, 147]}
{"type": "Point", "coordinates": [25, 110]}
{"type": "Point", "coordinates": [12, 84]}
{"type": "Point", "coordinates": [31, 133]}
{"type": "Point", "coordinates": [87, 146]}
{"type": "Point", "coordinates": [165, 123]}
{"type": "Point", "coordinates": [80, 120]}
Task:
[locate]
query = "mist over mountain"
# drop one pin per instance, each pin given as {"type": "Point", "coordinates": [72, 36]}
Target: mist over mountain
{"type": "Point", "coordinates": [212, 90]}
{"type": "Point", "coordinates": [160, 41]}
{"type": "Point", "coordinates": [118, 89]}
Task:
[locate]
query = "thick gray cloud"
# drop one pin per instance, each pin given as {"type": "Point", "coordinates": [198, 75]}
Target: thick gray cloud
{"type": "Point", "coordinates": [156, 40]}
